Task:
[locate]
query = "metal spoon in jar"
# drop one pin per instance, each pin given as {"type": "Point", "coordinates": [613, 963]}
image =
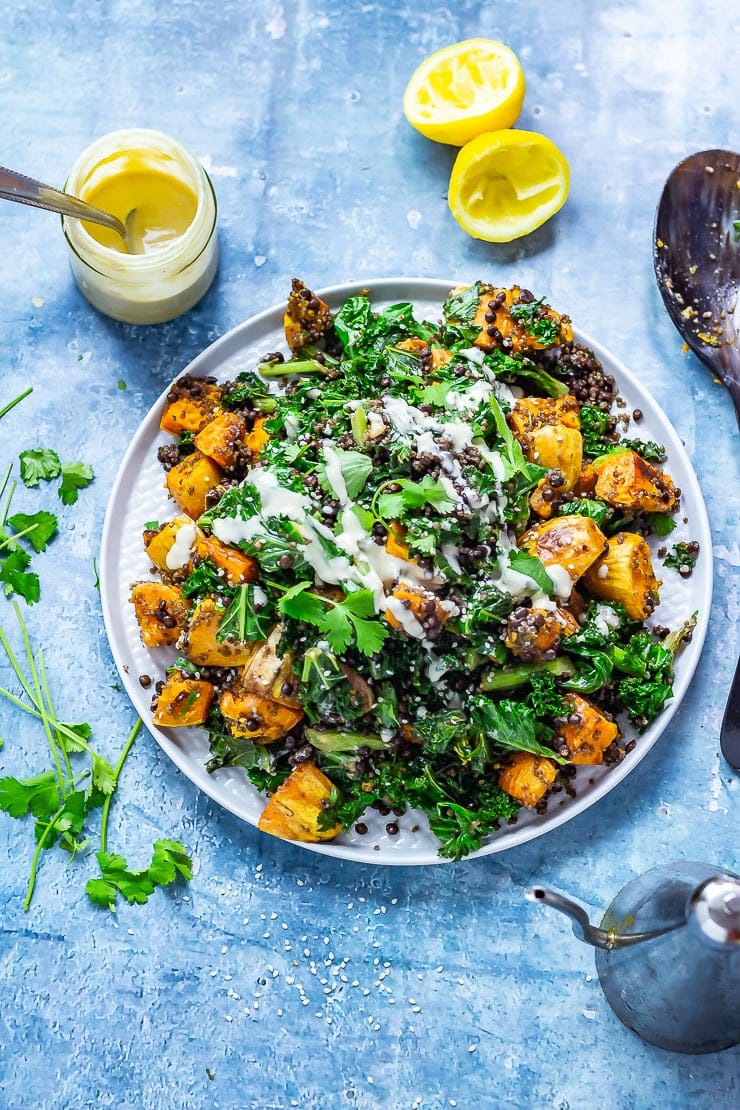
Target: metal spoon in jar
{"type": "Point", "coordinates": [696, 253]}
{"type": "Point", "coordinates": [26, 190]}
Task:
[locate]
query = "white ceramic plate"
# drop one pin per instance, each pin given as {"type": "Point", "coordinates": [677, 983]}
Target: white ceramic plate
{"type": "Point", "coordinates": [139, 495]}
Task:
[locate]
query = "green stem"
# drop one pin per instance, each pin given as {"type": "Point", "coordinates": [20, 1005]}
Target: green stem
{"type": "Point", "coordinates": [119, 767]}
{"type": "Point", "coordinates": [38, 700]}
{"type": "Point", "coordinates": [300, 366]}
{"type": "Point", "coordinates": [16, 401]}
{"type": "Point", "coordinates": [9, 498]}
{"type": "Point", "coordinates": [35, 862]}
{"type": "Point", "coordinates": [53, 716]}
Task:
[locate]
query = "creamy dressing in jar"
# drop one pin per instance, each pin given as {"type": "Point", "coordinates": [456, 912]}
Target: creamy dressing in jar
{"type": "Point", "coordinates": [172, 230]}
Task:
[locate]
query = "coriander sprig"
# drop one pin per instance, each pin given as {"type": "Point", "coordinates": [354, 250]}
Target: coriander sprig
{"type": "Point", "coordinates": [61, 810]}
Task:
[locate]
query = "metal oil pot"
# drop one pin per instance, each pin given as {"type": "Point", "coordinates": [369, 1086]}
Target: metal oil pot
{"type": "Point", "coordinates": [668, 954]}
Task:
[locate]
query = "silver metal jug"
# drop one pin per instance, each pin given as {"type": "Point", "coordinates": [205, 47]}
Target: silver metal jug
{"type": "Point", "coordinates": [668, 954]}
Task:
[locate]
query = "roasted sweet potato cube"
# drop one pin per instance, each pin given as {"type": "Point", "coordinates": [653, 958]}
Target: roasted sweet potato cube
{"type": "Point", "coordinates": [626, 481]}
{"type": "Point", "coordinates": [585, 484]}
{"type": "Point", "coordinates": [222, 439]}
{"type": "Point", "coordinates": [395, 543]}
{"type": "Point", "coordinates": [161, 611]}
{"type": "Point", "coordinates": [504, 326]}
{"type": "Point", "coordinates": [530, 413]}
{"type": "Point", "coordinates": [572, 542]}
{"type": "Point", "coordinates": [201, 643]}
{"type": "Point", "coordinates": [307, 318]}
{"type": "Point", "coordinates": [183, 701]}
{"type": "Point", "coordinates": [586, 731]}
{"type": "Point", "coordinates": [237, 566]}
{"type": "Point", "coordinates": [440, 357]}
{"type": "Point", "coordinates": [258, 437]}
{"type": "Point", "coordinates": [188, 483]}
{"type": "Point", "coordinates": [416, 611]}
{"type": "Point", "coordinates": [294, 809]}
{"type": "Point", "coordinates": [169, 547]}
{"type": "Point", "coordinates": [526, 777]}
{"type": "Point", "coordinates": [194, 402]}
{"type": "Point", "coordinates": [530, 633]}
{"type": "Point", "coordinates": [624, 573]}
{"type": "Point", "coordinates": [556, 446]}
{"type": "Point", "coordinates": [256, 717]}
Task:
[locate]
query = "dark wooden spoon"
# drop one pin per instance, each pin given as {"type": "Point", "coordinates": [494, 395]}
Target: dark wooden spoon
{"type": "Point", "coordinates": [696, 252]}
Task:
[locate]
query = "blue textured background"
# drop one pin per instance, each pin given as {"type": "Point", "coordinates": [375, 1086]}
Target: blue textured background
{"type": "Point", "coordinates": [294, 979]}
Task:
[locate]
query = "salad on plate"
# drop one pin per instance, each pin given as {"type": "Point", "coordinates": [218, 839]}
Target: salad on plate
{"type": "Point", "coordinates": [410, 567]}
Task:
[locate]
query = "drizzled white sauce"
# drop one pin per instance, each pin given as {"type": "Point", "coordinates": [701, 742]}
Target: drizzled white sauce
{"type": "Point", "coordinates": [179, 554]}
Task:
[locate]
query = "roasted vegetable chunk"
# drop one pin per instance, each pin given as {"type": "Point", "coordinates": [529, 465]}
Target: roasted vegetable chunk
{"type": "Point", "coordinates": [294, 810]}
{"type": "Point", "coordinates": [201, 643]}
{"type": "Point", "coordinates": [237, 567]}
{"type": "Point", "coordinates": [256, 717]}
{"type": "Point", "coordinates": [189, 482]}
{"type": "Point", "coordinates": [191, 403]}
{"type": "Point", "coordinates": [531, 413]}
{"type": "Point", "coordinates": [395, 543]}
{"type": "Point", "coordinates": [526, 777]}
{"type": "Point", "coordinates": [626, 481]}
{"type": "Point", "coordinates": [183, 701]}
{"type": "Point", "coordinates": [587, 731]}
{"type": "Point", "coordinates": [624, 573]}
{"type": "Point", "coordinates": [307, 319]}
{"type": "Point", "coordinates": [416, 611]}
{"type": "Point", "coordinates": [531, 325]}
{"type": "Point", "coordinates": [222, 439]}
{"type": "Point", "coordinates": [161, 611]}
{"type": "Point", "coordinates": [169, 546]}
{"type": "Point", "coordinates": [572, 542]}
{"type": "Point", "coordinates": [534, 634]}
{"type": "Point", "coordinates": [270, 675]}
{"type": "Point", "coordinates": [258, 437]}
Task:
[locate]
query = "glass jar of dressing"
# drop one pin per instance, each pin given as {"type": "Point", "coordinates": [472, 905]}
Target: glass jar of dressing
{"type": "Point", "coordinates": [165, 198]}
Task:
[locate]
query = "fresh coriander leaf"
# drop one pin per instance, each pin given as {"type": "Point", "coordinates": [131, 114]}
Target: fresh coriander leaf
{"type": "Point", "coordinates": [170, 859]}
{"type": "Point", "coordinates": [298, 603]}
{"type": "Point", "coordinates": [135, 886]}
{"type": "Point", "coordinates": [414, 495]}
{"type": "Point", "coordinates": [74, 738]}
{"type": "Point", "coordinates": [38, 795]}
{"type": "Point", "coordinates": [662, 524]}
{"type": "Point", "coordinates": [370, 635]}
{"type": "Point", "coordinates": [534, 568]}
{"type": "Point", "coordinates": [121, 384]}
{"type": "Point", "coordinates": [35, 465]}
{"type": "Point", "coordinates": [15, 579]}
{"type": "Point", "coordinates": [75, 476]}
{"type": "Point", "coordinates": [682, 557]}
{"type": "Point", "coordinates": [38, 528]}
{"type": "Point", "coordinates": [337, 627]}
{"type": "Point", "coordinates": [103, 776]}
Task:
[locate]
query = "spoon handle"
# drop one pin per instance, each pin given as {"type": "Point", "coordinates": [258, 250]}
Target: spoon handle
{"type": "Point", "coordinates": [729, 733]}
{"type": "Point", "coordinates": [26, 190]}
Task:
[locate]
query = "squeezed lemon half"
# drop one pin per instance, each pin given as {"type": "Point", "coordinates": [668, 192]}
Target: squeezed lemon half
{"type": "Point", "coordinates": [505, 184]}
{"type": "Point", "coordinates": [465, 89]}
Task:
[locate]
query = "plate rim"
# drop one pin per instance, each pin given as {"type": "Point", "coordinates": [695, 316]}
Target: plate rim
{"type": "Point", "coordinates": [230, 343]}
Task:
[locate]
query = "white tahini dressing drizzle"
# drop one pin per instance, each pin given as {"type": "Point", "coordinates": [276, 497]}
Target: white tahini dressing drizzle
{"type": "Point", "coordinates": [178, 555]}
